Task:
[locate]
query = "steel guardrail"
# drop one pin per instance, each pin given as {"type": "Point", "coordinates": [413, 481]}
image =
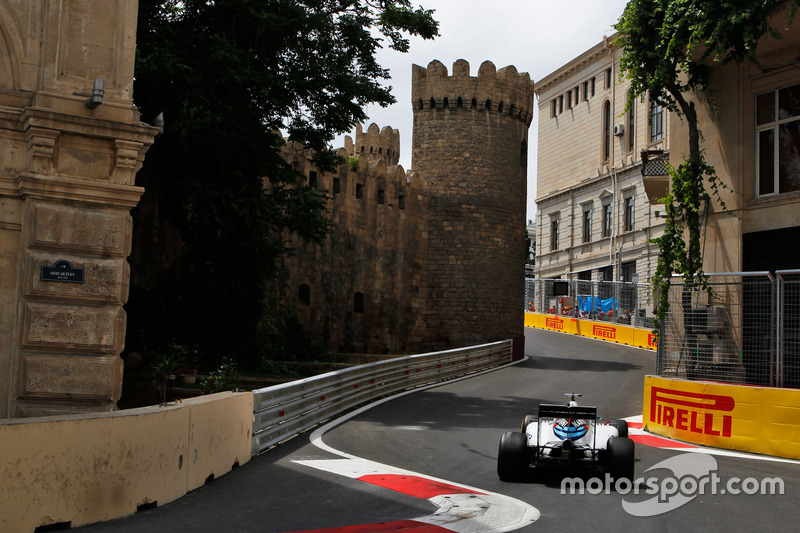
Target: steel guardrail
{"type": "Point", "coordinates": [283, 411]}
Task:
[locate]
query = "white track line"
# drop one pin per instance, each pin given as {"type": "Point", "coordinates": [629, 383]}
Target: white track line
{"type": "Point", "coordinates": [473, 511]}
{"type": "Point", "coordinates": [697, 448]}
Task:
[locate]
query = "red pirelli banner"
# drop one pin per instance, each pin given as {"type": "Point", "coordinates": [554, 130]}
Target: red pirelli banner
{"type": "Point", "coordinates": [737, 417]}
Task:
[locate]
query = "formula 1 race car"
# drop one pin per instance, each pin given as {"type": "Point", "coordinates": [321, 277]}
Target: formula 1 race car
{"type": "Point", "coordinates": [566, 436]}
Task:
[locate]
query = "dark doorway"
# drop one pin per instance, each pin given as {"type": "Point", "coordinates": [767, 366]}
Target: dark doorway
{"type": "Point", "coordinates": [770, 251]}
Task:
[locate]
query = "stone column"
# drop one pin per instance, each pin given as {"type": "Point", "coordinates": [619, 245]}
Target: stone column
{"type": "Point", "coordinates": [66, 190]}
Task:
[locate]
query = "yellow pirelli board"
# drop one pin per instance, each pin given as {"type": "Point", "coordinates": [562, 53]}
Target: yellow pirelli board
{"type": "Point", "coordinates": [605, 331]}
{"type": "Point", "coordinates": [737, 417]}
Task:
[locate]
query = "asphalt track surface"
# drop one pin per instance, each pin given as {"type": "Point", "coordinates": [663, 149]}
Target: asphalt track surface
{"type": "Point", "coordinates": [451, 432]}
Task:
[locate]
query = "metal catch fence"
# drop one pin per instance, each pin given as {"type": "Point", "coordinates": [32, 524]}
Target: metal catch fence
{"type": "Point", "coordinates": [746, 331]}
{"type": "Point", "coordinates": [609, 301]}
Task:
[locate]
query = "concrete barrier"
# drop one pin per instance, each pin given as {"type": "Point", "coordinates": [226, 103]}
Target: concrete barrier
{"type": "Point", "coordinates": [606, 331]}
{"type": "Point", "coordinates": [736, 417]}
{"type": "Point", "coordinates": [80, 469]}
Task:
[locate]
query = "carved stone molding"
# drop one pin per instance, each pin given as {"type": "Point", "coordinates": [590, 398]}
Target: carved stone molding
{"type": "Point", "coordinates": [41, 150]}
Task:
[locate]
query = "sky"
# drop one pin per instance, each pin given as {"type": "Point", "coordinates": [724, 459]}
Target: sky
{"type": "Point", "coordinates": [535, 36]}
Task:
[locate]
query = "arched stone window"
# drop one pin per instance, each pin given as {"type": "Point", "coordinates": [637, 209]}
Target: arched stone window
{"type": "Point", "coordinates": [358, 302]}
{"type": "Point", "coordinates": [631, 126]}
{"type": "Point", "coordinates": [304, 294]}
{"type": "Point", "coordinates": [606, 130]}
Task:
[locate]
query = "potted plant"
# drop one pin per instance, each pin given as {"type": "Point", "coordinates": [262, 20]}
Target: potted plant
{"type": "Point", "coordinates": [164, 366]}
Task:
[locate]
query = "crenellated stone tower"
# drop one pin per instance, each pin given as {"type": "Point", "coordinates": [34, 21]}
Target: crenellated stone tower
{"type": "Point", "coordinates": [375, 143]}
{"type": "Point", "coordinates": [470, 144]}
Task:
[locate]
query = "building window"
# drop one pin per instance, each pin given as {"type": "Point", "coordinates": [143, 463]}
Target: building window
{"type": "Point", "coordinates": [304, 294]}
{"type": "Point", "coordinates": [628, 271]}
{"type": "Point", "coordinates": [569, 100]}
{"type": "Point", "coordinates": [359, 190]}
{"type": "Point", "coordinates": [778, 141]}
{"type": "Point", "coordinates": [591, 82]}
{"type": "Point", "coordinates": [586, 90]}
{"type": "Point", "coordinates": [606, 290]}
{"type": "Point", "coordinates": [607, 220]}
{"type": "Point", "coordinates": [606, 131]}
{"type": "Point", "coordinates": [608, 78]}
{"type": "Point", "coordinates": [358, 302]}
{"type": "Point", "coordinates": [337, 185]}
{"type": "Point", "coordinates": [553, 108]}
{"type": "Point", "coordinates": [554, 235]}
{"type": "Point", "coordinates": [629, 213]}
{"type": "Point", "coordinates": [587, 225]}
{"type": "Point", "coordinates": [656, 121]}
{"type": "Point", "coordinates": [585, 283]}
{"type": "Point", "coordinates": [381, 196]}
{"type": "Point", "coordinates": [560, 104]}
{"type": "Point", "coordinates": [312, 179]}
{"type": "Point", "coordinates": [631, 125]}
{"type": "Point", "coordinates": [401, 201]}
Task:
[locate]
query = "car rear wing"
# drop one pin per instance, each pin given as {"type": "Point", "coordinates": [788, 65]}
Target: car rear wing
{"type": "Point", "coordinates": [547, 410]}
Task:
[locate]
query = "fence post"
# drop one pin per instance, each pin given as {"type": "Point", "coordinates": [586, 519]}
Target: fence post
{"type": "Point", "coordinates": [776, 335]}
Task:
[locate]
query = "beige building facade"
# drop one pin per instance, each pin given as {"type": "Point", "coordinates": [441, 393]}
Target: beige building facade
{"type": "Point", "coordinates": [71, 143]}
{"type": "Point", "coordinates": [751, 131]}
{"type": "Point", "coordinates": [594, 219]}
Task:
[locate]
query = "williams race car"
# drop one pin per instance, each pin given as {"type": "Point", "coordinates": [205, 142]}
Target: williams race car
{"type": "Point", "coordinates": [566, 436]}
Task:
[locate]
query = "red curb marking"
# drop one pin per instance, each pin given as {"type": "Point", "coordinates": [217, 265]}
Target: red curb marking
{"type": "Point", "coordinates": [402, 525]}
{"type": "Point", "coordinates": [635, 425]}
{"type": "Point", "coordinates": [658, 442]}
{"type": "Point", "coordinates": [415, 485]}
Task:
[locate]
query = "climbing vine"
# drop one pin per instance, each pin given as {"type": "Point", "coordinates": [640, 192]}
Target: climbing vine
{"type": "Point", "coordinates": [680, 245]}
{"type": "Point", "coordinates": [667, 49]}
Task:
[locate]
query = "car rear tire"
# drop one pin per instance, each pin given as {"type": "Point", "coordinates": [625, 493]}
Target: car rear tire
{"type": "Point", "coordinates": [622, 427]}
{"type": "Point", "coordinates": [620, 457]}
{"type": "Point", "coordinates": [512, 456]}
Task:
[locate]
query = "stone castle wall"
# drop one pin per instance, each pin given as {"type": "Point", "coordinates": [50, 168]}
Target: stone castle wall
{"type": "Point", "coordinates": [438, 255]}
{"type": "Point", "coordinates": [362, 290]}
{"type": "Point", "coordinates": [66, 189]}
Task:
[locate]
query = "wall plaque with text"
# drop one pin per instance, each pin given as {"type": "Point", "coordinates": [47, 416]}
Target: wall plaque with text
{"type": "Point", "coordinates": [62, 271]}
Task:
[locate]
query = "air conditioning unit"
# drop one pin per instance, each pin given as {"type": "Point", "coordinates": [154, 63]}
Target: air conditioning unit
{"type": "Point", "coordinates": [619, 130]}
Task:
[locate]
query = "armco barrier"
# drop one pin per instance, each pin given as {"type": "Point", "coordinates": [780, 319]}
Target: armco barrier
{"type": "Point", "coordinates": [285, 410]}
{"type": "Point", "coordinates": [79, 469]}
{"type": "Point", "coordinates": [737, 417]}
{"type": "Point", "coordinates": [606, 331]}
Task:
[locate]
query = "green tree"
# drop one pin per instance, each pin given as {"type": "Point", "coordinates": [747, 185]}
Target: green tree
{"type": "Point", "coordinates": [228, 76]}
{"type": "Point", "coordinates": [668, 47]}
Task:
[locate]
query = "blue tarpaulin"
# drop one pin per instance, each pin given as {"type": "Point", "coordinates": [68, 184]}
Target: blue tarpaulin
{"type": "Point", "coordinates": [589, 303]}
